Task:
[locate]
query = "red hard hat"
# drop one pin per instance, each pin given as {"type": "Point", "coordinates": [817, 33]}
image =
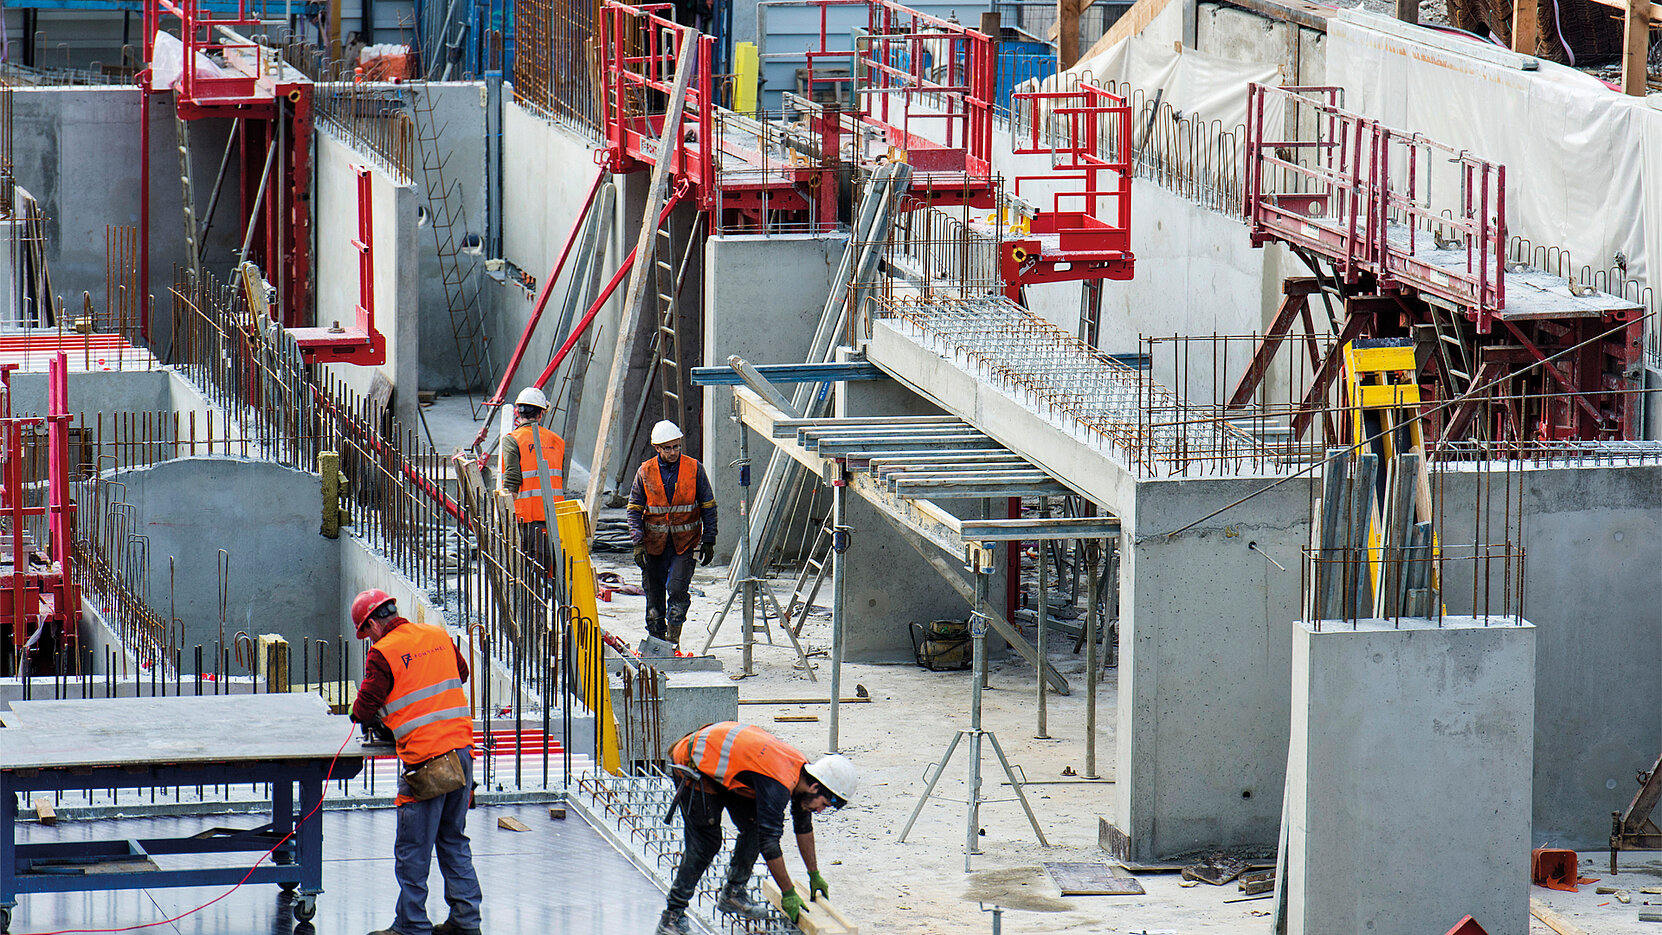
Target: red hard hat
{"type": "Point", "coordinates": [364, 604]}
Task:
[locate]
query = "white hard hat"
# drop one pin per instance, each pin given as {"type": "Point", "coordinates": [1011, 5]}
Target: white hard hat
{"type": "Point", "coordinates": [531, 396]}
{"type": "Point", "coordinates": [665, 431]}
{"type": "Point", "coordinates": [835, 774]}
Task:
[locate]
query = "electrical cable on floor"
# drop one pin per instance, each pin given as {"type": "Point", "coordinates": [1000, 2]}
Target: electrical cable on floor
{"type": "Point", "coordinates": [238, 885]}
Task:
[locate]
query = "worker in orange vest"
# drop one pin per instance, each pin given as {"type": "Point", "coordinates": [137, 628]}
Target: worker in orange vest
{"type": "Point", "coordinates": [413, 687]}
{"type": "Point", "coordinates": [671, 509]}
{"type": "Point", "coordinates": [533, 472]}
{"type": "Point", "coordinates": [754, 777]}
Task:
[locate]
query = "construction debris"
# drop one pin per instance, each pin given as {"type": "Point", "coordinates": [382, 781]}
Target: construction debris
{"type": "Point", "coordinates": [509, 823]}
{"type": "Point", "coordinates": [818, 917]}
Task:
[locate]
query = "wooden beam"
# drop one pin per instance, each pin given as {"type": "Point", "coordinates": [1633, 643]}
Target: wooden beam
{"type": "Point", "coordinates": [1553, 920]}
{"type": "Point", "coordinates": [1526, 26]}
{"type": "Point", "coordinates": [1635, 46]}
{"type": "Point", "coordinates": [1654, 11]}
{"type": "Point", "coordinates": [600, 466]}
{"type": "Point", "coordinates": [1067, 33]}
{"type": "Point", "coordinates": [1409, 11]}
{"type": "Point", "coordinates": [818, 917]}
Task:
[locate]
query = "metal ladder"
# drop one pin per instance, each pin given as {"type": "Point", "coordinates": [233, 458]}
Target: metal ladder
{"type": "Point", "coordinates": [193, 254]}
{"type": "Point", "coordinates": [809, 580]}
{"type": "Point", "coordinates": [445, 211]}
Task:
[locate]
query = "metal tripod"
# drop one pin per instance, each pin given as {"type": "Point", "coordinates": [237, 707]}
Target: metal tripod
{"type": "Point", "coordinates": [749, 587]}
{"type": "Point", "coordinates": [978, 634]}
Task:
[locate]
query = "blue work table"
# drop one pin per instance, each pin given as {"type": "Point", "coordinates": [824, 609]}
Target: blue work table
{"type": "Point", "coordinates": [286, 740]}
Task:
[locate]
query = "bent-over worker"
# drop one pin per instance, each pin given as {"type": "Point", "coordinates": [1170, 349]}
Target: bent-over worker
{"type": "Point", "coordinates": [413, 688]}
{"type": "Point", "coordinates": [755, 777]}
{"type": "Point", "coordinates": [671, 509]}
{"type": "Point", "coordinates": [533, 467]}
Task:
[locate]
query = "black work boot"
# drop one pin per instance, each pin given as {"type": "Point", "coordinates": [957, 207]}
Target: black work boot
{"type": "Point", "coordinates": [673, 923]}
{"type": "Point", "coordinates": [735, 900]}
{"type": "Point", "coordinates": [448, 927]}
{"type": "Point", "coordinates": [655, 625]}
{"type": "Point", "coordinates": [675, 629]}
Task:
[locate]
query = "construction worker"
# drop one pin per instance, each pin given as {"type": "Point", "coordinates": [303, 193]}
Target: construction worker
{"type": "Point", "coordinates": [532, 469]}
{"type": "Point", "coordinates": [671, 509]}
{"type": "Point", "coordinates": [413, 689]}
{"type": "Point", "coordinates": [753, 776]}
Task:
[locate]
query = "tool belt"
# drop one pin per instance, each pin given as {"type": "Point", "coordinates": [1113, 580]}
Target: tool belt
{"type": "Point", "coordinates": [441, 775]}
{"type": "Point", "coordinates": [697, 797]}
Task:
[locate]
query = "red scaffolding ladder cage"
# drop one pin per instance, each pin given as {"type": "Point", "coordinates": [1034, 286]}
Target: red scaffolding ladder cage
{"type": "Point", "coordinates": [1086, 234]}
{"type": "Point", "coordinates": [40, 604]}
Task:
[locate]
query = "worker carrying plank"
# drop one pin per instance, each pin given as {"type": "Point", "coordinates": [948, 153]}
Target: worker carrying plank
{"type": "Point", "coordinates": [413, 688]}
{"type": "Point", "coordinates": [532, 469]}
{"type": "Point", "coordinates": [671, 509]}
{"type": "Point", "coordinates": [753, 776]}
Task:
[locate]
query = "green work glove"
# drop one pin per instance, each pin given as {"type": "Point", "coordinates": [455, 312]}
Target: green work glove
{"type": "Point", "coordinates": [817, 886]}
{"type": "Point", "coordinates": [640, 556]}
{"type": "Point", "coordinates": [791, 903]}
{"type": "Point", "coordinates": [706, 553]}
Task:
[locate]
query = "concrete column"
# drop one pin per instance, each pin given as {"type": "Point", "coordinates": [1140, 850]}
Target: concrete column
{"type": "Point", "coordinates": [1408, 776]}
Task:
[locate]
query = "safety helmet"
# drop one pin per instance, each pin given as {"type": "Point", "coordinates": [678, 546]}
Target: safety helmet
{"type": "Point", "coordinates": [665, 431]}
{"type": "Point", "coordinates": [367, 603]}
{"type": "Point", "coordinates": [836, 775]}
{"type": "Point", "coordinates": [531, 396]}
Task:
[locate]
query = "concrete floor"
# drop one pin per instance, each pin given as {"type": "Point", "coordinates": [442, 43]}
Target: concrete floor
{"type": "Point", "coordinates": [561, 876]}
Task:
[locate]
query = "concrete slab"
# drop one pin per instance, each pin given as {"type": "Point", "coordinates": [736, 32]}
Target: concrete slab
{"type": "Point", "coordinates": [1408, 777]}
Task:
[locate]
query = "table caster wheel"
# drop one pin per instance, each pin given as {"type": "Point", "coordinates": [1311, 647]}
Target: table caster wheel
{"type": "Point", "coordinates": [305, 908]}
{"type": "Point", "coordinates": [5, 919]}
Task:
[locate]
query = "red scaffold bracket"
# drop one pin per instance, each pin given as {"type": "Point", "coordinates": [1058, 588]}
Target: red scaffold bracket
{"type": "Point", "coordinates": [1086, 234]}
{"type": "Point", "coordinates": [362, 344]}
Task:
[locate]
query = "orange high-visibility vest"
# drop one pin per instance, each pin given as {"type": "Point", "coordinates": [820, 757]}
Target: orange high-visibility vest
{"type": "Point", "coordinates": [671, 518]}
{"type": "Point", "coordinates": [528, 499]}
{"type": "Point", "coordinates": [723, 750]}
{"type": "Point", "coordinates": [427, 707]}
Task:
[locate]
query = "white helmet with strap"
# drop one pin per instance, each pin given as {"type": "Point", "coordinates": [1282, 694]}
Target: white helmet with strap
{"type": "Point", "coordinates": [531, 396]}
{"type": "Point", "coordinates": [665, 431]}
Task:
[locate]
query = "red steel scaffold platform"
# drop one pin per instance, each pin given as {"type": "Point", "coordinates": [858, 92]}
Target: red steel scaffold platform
{"type": "Point", "coordinates": [1416, 234]}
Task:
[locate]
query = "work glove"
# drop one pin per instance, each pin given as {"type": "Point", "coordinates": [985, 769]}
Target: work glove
{"type": "Point", "coordinates": [706, 553]}
{"type": "Point", "coordinates": [640, 556]}
{"type": "Point", "coordinates": [817, 886]}
{"type": "Point", "coordinates": [791, 904]}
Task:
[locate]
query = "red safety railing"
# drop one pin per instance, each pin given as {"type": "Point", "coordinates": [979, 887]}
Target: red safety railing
{"type": "Point", "coordinates": [642, 49]}
{"type": "Point", "coordinates": [930, 84]}
{"type": "Point", "coordinates": [1088, 134]}
{"type": "Point", "coordinates": [199, 30]}
{"type": "Point", "coordinates": [1404, 209]}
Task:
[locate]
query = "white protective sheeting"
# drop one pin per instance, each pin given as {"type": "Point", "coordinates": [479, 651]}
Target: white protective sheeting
{"type": "Point", "coordinates": [1193, 83]}
{"type": "Point", "coordinates": [1583, 162]}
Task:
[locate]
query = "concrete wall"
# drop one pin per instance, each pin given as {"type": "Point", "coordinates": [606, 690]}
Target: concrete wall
{"type": "Point", "coordinates": [77, 150]}
{"type": "Point", "coordinates": [1204, 648]}
{"type": "Point", "coordinates": [284, 576]}
{"type": "Point", "coordinates": [1591, 536]}
{"type": "Point", "coordinates": [459, 120]}
{"type": "Point", "coordinates": [764, 296]}
{"type": "Point", "coordinates": [1410, 737]}
{"type": "Point", "coordinates": [397, 261]}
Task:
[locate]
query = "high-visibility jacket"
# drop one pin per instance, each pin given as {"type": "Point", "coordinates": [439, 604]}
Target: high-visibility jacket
{"type": "Point", "coordinates": [723, 750]}
{"type": "Point", "coordinates": [528, 507]}
{"type": "Point", "coordinates": [427, 707]}
{"type": "Point", "coordinates": [671, 517]}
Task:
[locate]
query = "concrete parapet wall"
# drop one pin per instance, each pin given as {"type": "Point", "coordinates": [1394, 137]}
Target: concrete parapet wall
{"type": "Point", "coordinates": [1408, 776]}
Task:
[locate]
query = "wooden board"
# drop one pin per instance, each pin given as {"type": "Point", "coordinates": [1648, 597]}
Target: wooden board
{"type": "Point", "coordinates": [816, 918]}
{"type": "Point", "coordinates": [509, 823]}
{"type": "Point", "coordinates": [1092, 878]}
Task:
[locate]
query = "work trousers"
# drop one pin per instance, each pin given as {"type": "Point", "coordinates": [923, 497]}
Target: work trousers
{"type": "Point", "coordinates": [701, 817]}
{"type": "Point", "coordinates": [423, 826]}
{"type": "Point", "coordinates": [534, 542]}
{"type": "Point", "coordinates": [665, 579]}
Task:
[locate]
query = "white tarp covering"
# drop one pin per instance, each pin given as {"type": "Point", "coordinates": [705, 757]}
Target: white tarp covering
{"type": "Point", "coordinates": [1193, 83]}
{"type": "Point", "coordinates": [1583, 162]}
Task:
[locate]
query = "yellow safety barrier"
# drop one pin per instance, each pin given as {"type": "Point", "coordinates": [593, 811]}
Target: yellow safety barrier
{"type": "Point", "coordinates": [572, 522]}
{"type": "Point", "coordinates": [746, 69]}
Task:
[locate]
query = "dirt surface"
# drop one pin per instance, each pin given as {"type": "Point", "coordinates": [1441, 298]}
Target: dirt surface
{"type": "Point", "coordinates": [921, 886]}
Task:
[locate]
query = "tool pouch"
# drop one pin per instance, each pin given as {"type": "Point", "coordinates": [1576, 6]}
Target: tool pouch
{"type": "Point", "coordinates": [703, 807]}
{"type": "Point", "coordinates": [441, 775]}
